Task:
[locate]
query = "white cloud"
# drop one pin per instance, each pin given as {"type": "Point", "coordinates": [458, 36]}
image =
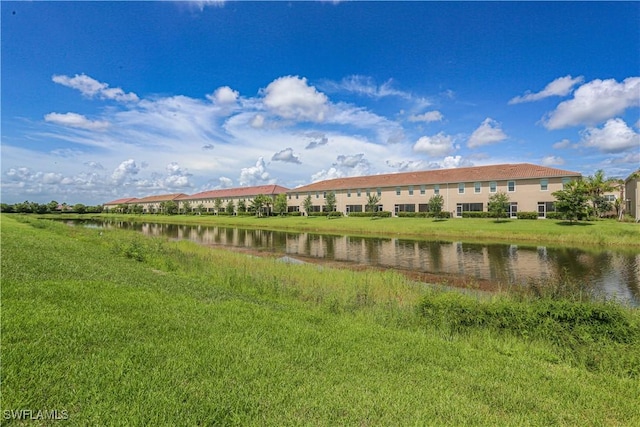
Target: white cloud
{"type": "Point", "coordinates": [75, 120]}
{"type": "Point", "coordinates": [318, 139]}
{"type": "Point", "coordinates": [561, 86]}
{"type": "Point", "coordinates": [450, 162]}
{"type": "Point", "coordinates": [224, 96]}
{"type": "Point", "coordinates": [286, 155]}
{"type": "Point", "coordinates": [124, 171]}
{"type": "Point", "coordinates": [595, 102]}
{"type": "Point", "coordinates": [565, 143]}
{"type": "Point", "coordinates": [291, 97]}
{"type": "Point", "coordinates": [429, 116]}
{"type": "Point", "coordinates": [489, 132]}
{"type": "Point", "coordinates": [225, 182]}
{"type": "Point", "coordinates": [94, 165]}
{"type": "Point", "coordinates": [614, 137]}
{"type": "Point", "coordinates": [344, 166]}
{"type": "Point", "coordinates": [258, 121]}
{"type": "Point", "coordinates": [90, 88]}
{"type": "Point", "coordinates": [365, 86]}
{"type": "Point", "coordinates": [255, 175]}
{"type": "Point", "coordinates": [552, 161]}
{"type": "Point", "coordinates": [353, 161]}
{"type": "Point", "coordinates": [406, 165]}
{"type": "Point", "coordinates": [436, 145]}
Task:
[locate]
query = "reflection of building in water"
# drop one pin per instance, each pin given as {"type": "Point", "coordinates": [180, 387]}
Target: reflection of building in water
{"type": "Point", "coordinates": [610, 272]}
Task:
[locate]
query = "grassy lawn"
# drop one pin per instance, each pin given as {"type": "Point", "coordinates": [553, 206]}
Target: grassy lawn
{"type": "Point", "coordinates": [118, 329]}
{"type": "Point", "coordinates": [550, 232]}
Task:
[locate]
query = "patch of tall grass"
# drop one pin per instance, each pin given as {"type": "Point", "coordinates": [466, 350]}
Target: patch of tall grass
{"type": "Point", "coordinates": [121, 329]}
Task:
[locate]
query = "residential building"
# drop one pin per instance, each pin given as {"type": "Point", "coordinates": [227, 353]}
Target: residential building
{"type": "Point", "coordinates": [632, 195]}
{"type": "Point", "coordinates": [467, 189]}
{"type": "Point", "coordinates": [207, 199]}
{"type": "Point", "coordinates": [116, 204]}
{"type": "Point", "coordinates": [153, 204]}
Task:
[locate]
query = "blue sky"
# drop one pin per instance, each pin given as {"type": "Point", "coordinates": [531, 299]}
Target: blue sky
{"type": "Point", "coordinates": [102, 100]}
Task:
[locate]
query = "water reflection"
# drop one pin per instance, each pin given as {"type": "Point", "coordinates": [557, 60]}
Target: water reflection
{"type": "Point", "coordinates": [615, 274]}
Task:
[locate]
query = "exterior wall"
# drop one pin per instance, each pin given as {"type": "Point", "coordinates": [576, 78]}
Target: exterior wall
{"type": "Point", "coordinates": [632, 197]}
{"type": "Point", "coordinates": [209, 203]}
{"type": "Point", "coordinates": [527, 193]}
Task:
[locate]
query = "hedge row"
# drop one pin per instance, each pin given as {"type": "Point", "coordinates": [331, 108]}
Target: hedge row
{"type": "Point", "coordinates": [383, 214]}
{"type": "Point", "coordinates": [423, 215]}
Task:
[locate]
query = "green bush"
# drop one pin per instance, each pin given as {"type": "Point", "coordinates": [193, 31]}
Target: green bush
{"type": "Point", "coordinates": [555, 215]}
{"type": "Point", "coordinates": [363, 214]}
{"type": "Point", "coordinates": [527, 215]}
{"type": "Point", "coordinates": [475, 214]}
{"type": "Point", "coordinates": [582, 332]}
{"type": "Point", "coordinates": [423, 215]}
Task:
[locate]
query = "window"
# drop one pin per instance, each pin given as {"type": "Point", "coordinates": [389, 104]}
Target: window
{"type": "Point", "coordinates": [477, 187]}
{"type": "Point", "coordinates": [609, 197]}
{"type": "Point", "coordinates": [317, 195]}
{"type": "Point", "coordinates": [297, 196]}
{"type": "Point", "coordinates": [544, 208]}
{"type": "Point", "coordinates": [544, 184]}
{"type": "Point", "coordinates": [511, 186]}
{"type": "Point", "coordinates": [461, 188]}
{"type": "Point", "coordinates": [354, 208]}
{"type": "Point", "coordinates": [398, 191]}
{"type": "Point", "coordinates": [493, 187]}
{"type": "Point", "coordinates": [471, 207]}
{"type": "Point", "coordinates": [436, 189]}
{"type": "Point", "coordinates": [359, 192]}
{"type": "Point", "coordinates": [513, 210]}
{"type": "Point", "coordinates": [405, 208]}
{"type": "Point", "coordinates": [468, 207]}
{"type": "Point", "coordinates": [368, 192]}
{"type": "Point", "coordinates": [379, 192]}
{"type": "Point", "coordinates": [324, 195]}
{"type": "Point", "coordinates": [411, 190]}
{"type": "Point", "coordinates": [349, 193]}
{"type": "Point", "coordinates": [565, 181]}
{"type": "Point", "coordinates": [423, 190]}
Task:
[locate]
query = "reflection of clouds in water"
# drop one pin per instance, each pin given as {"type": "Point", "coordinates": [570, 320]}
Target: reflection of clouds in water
{"type": "Point", "coordinates": [615, 274]}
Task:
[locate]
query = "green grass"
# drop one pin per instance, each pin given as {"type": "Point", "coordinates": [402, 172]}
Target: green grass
{"type": "Point", "coordinates": [608, 233]}
{"type": "Point", "coordinates": [120, 329]}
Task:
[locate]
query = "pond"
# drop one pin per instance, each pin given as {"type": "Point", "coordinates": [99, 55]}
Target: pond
{"type": "Point", "coordinates": [615, 274]}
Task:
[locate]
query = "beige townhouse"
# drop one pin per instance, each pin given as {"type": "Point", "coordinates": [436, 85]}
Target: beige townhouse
{"type": "Point", "coordinates": [632, 195]}
{"type": "Point", "coordinates": [207, 199]}
{"type": "Point", "coordinates": [466, 189]}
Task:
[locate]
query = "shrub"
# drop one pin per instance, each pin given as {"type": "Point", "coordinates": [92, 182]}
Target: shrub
{"type": "Point", "coordinates": [475, 214]}
{"type": "Point", "coordinates": [527, 215]}
{"type": "Point", "coordinates": [555, 215]}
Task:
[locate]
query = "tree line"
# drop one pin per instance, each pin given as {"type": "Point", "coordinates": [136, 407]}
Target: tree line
{"type": "Point", "coordinates": [51, 207]}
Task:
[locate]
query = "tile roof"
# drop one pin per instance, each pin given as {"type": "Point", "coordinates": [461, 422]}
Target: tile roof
{"type": "Point", "coordinates": [271, 189]}
{"type": "Point", "coordinates": [441, 176]}
{"type": "Point", "coordinates": [123, 200]}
